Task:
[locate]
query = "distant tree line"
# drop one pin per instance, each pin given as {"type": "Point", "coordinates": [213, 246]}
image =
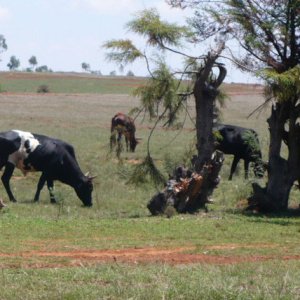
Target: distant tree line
{"type": "Point", "coordinates": [87, 68]}
{"type": "Point", "coordinates": [14, 63]}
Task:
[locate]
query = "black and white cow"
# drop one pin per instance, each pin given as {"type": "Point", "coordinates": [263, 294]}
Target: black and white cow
{"type": "Point", "coordinates": [242, 143]}
{"type": "Point", "coordinates": [54, 158]}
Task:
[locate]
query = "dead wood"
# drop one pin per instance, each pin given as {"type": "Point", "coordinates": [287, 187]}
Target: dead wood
{"type": "Point", "coordinates": [191, 193]}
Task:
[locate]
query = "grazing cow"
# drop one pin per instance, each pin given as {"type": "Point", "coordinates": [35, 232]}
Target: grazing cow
{"type": "Point", "coordinates": [242, 143]}
{"type": "Point", "coordinates": [54, 158]}
{"type": "Point", "coordinates": [122, 124]}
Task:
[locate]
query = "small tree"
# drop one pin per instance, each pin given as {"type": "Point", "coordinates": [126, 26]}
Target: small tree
{"type": "Point", "coordinates": [86, 67]}
{"type": "Point", "coordinates": [33, 61]}
{"type": "Point", "coordinates": [3, 45]}
{"type": "Point", "coordinates": [130, 74]}
{"type": "Point", "coordinates": [14, 63]}
{"type": "Point", "coordinates": [42, 69]}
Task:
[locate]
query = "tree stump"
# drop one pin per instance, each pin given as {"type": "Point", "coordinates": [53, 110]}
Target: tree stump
{"type": "Point", "coordinates": [189, 193]}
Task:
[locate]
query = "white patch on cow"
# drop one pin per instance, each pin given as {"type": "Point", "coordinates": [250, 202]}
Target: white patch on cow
{"type": "Point", "coordinates": [28, 145]}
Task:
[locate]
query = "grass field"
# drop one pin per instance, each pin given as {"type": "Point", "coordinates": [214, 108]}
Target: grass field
{"type": "Point", "coordinates": [116, 250]}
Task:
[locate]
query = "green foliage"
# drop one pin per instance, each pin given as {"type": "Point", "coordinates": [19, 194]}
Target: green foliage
{"type": "Point", "coordinates": [44, 88]}
{"type": "Point", "coordinates": [122, 51]}
{"type": "Point", "coordinates": [43, 69]}
{"type": "Point", "coordinates": [85, 66]}
{"type": "Point", "coordinates": [33, 61]}
{"type": "Point", "coordinates": [267, 30]}
{"type": "Point", "coordinates": [149, 25]}
{"type": "Point", "coordinates": [146, 171]}
{"type": "Point", "coordinates": [217, 136]}
{"type": "Point", "coordinates": [250, 139]}
{"type": "Point", "coordinates": [283, 86]}
{"type": "Point", "coordinates": [160, 92]}
{"type": "Point", "coordinates": [14, 63]}
{"type": "Point", "coordinates": [130, 73]}
{"type": "Point", "coordinates": [3, 45]}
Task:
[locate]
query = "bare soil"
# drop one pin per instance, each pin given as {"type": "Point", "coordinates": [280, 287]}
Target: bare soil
{"type": "Point", "coordinates": [171, 256]}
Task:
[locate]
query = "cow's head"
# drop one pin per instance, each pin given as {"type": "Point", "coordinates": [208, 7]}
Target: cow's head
{"type": "Point", "coordinates": [133, 143]}
{"type": "Point", "coordinates": [84, 190]}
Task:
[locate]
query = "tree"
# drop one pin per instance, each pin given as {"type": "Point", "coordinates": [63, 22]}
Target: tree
{"type": "Point", "coordinates": [33, 61]}
{"type": "Point", "coordinates": [42, 69]}
{"type": "Point", "coordinates": [165, 95]}
{"type": "Point", "coordinates": [3, 45]}
{"type": "Point", "coordinates": [14, 63]}
{"type": "Point", "coordinates": [85, 66]}
{"type": "Point", "coordinates": [130, 74]}
{"type": "Point", "coordinates": [269, 33]}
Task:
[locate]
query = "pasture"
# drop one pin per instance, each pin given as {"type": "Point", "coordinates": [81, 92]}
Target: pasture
{"type": "Point", "coordinates": [116, 250]}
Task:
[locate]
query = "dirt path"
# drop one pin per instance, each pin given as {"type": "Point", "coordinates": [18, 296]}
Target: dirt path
{"type": "Point", "coordinates": [173, 256]}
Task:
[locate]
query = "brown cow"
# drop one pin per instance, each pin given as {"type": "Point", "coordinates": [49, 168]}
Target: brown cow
{"type": "Point", "coordinates": [122, 124]}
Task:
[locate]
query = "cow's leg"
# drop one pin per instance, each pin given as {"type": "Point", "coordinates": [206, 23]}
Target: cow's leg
{"type": "Point", "coordinates": [119, 142]}
{"type": "Point", "coordinates": [233, 166]}
{"type": "Point", "coordinates": [112, 140]}
{"type": "Point", "coordinates": [50, 186]}
{"type": "Point", "coordinates": [40, 186]}
{"type": "Point", "coordinates": [9, 169]}
{"type": "Point", "coordinates": [246, 166]}
{"type": "Point", "coordinates": [126, 141]}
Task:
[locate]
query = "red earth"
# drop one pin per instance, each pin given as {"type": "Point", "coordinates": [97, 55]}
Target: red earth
{"type": "Point", "coordinates": [171, 256]}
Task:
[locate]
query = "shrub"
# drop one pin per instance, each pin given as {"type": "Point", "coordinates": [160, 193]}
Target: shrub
{"type": "Point", "coordinates": [43, 89]}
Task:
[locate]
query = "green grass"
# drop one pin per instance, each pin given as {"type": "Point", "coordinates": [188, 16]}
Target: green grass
{"type": "Point", "coordinates": [119, 218]}
{"type": "Point", "coordinates": [252, 281]}
{"type": "Point", "coordinates": [19, 82]}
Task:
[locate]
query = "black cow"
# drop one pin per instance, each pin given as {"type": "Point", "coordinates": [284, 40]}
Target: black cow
{"type": "Point", "coordinates": [242, 143]}
{"type": "Point", "coordinates": [122, 124]}
{"type": "Point", "coordinates": [54, 158]}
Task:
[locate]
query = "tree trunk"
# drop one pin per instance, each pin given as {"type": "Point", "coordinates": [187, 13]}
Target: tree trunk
{"type": "Point", "coordinates": [188, 193]}
{"type": "Point", "coordinates": [282, 173]}
{"type": "Point", "coordinates": [205, 96]}
{"type": "Point", "coordinates": [193, 193]}
{"type": "Point", "coordinates": [205, 93]}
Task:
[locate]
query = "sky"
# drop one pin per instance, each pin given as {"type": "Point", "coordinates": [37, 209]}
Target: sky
{"type": "Point", "coordinates": [63, 34]}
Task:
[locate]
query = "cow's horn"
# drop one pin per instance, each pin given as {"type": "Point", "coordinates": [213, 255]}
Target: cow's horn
{"type": "Point", "coordinates": [92, 177]}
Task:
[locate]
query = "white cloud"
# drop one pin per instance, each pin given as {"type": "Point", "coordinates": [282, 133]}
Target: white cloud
{"type": "Point", "coordinates": [4, 14]}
